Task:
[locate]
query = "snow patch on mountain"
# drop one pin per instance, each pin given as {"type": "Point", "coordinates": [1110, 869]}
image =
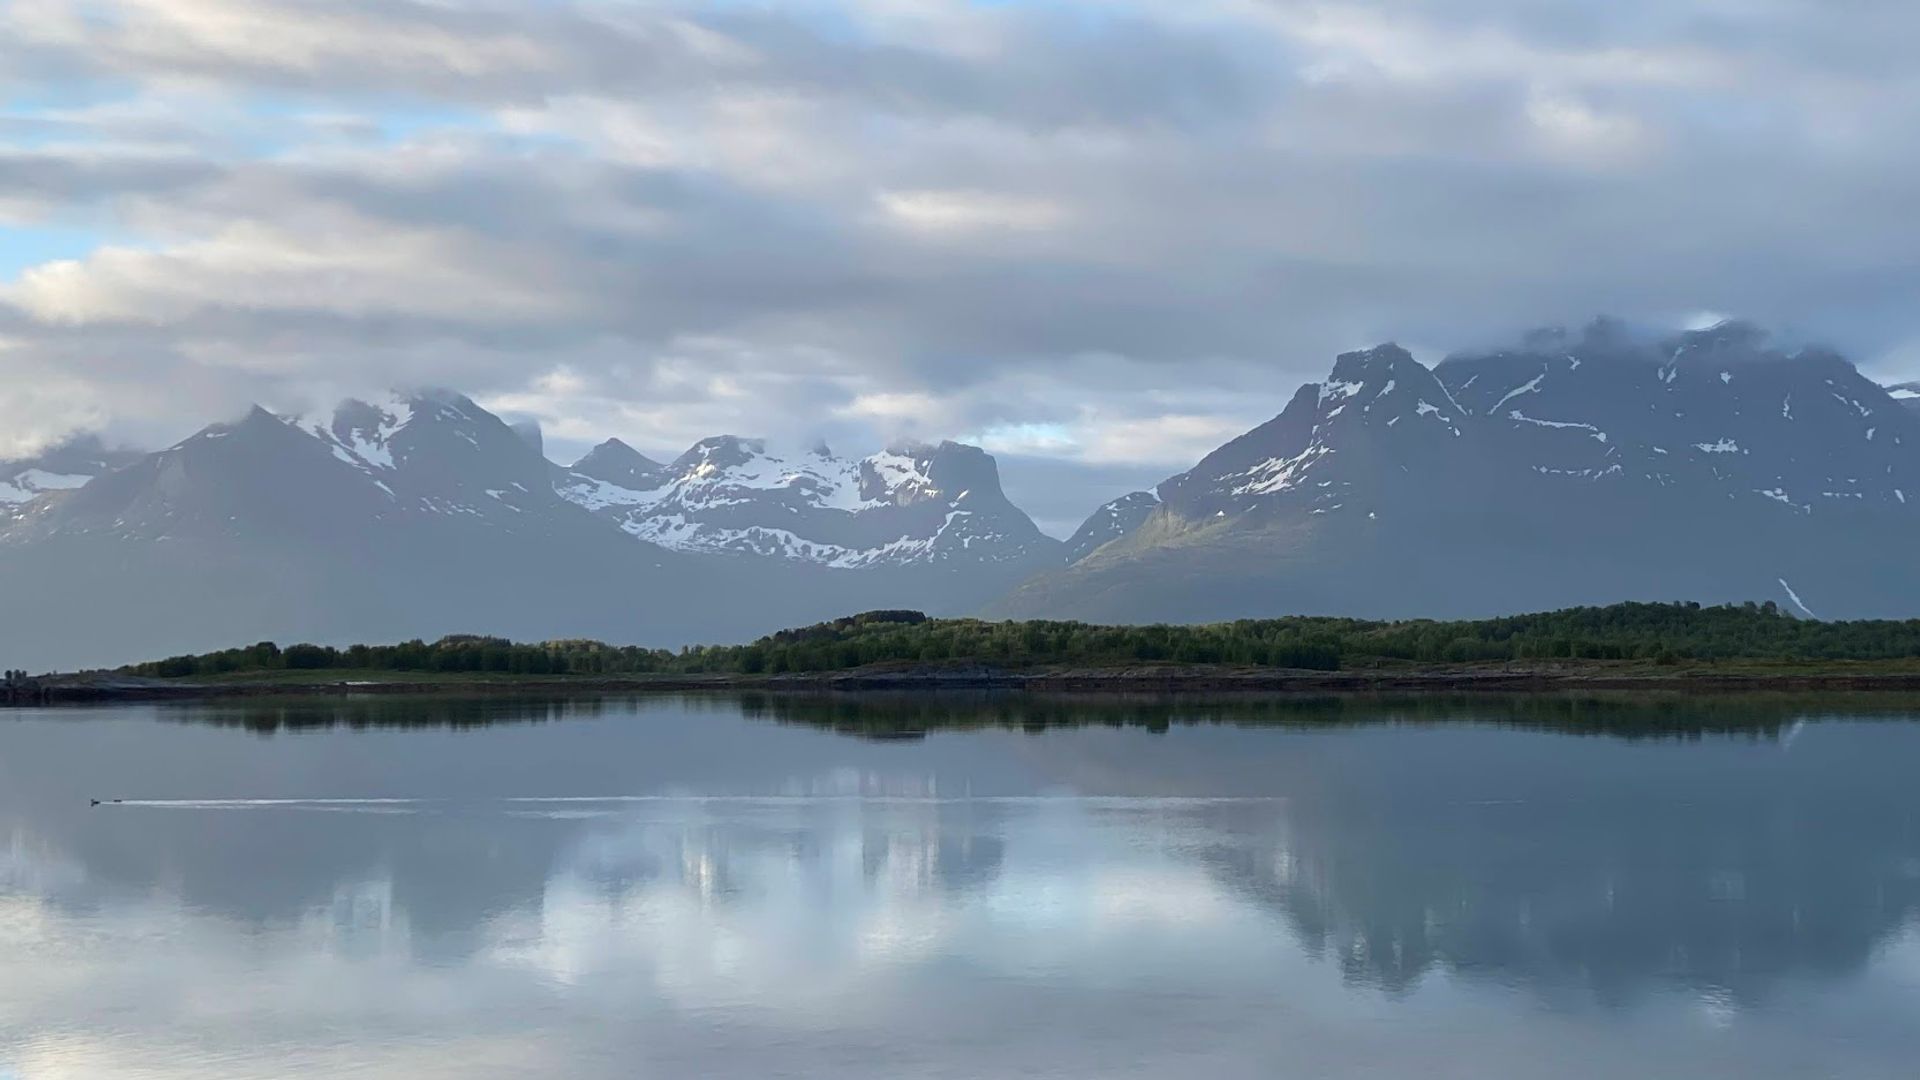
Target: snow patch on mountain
{"type": "Point", "coordinates": [1780, 495]}
{"type": "Point", "coordinates": [731, 495]}
{"type": "Point", "coordinates": [728, 472]}
{"type": "Point", "coordinates": [361, 433]}
{"type": "Point", "coordinates": [26, 484]}
{"type": "Point", "coordinates": [1275, 475]}
{"type": "Point", "coordinates": [1797, 602]}
{"type": "Point", "coordinates": [1592, 432]}
{"type": "Point", "coordinates": [1334, 390]}
{"type": "Point", "coordinates": [30, 484]}
{"type": "Point", "coordinates": [1530, 386]}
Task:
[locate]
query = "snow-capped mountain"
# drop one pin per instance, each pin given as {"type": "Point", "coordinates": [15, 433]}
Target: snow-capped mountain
{"type": "Point", "coordinates": [1585, 467]}
{"type": "Point", "coordinates": [1338, 446]}
{"type": "Point", "coordinates": [439, 453]}
{"type": "Point", "coordinates": [908, 506]}
{"type": "Point", "coordinates": [1714, 411]}
{"type": "Point", "coordinates": [363, 469]}
{"type": "Point", "coordinates": [1582, 467]}
{"type": "Point", "coordinates": [425, 514]}
{"type": "Point", "coordinates": [416, 517]}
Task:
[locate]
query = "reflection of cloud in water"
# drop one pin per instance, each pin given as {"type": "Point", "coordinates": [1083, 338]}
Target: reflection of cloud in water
{"type": "Point", "coordinates": [751, 896]}
{"type": "Point", "coordinates": [1700, 891]}
{"type": "Point", "coordinates": [30, 865]}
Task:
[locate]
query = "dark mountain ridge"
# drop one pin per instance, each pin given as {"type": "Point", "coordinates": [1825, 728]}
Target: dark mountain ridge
{"type": "Point", "coordinates": [1581, 468]}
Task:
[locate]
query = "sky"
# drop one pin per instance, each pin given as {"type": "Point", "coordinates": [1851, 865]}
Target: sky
{"type": "Point", "coordinates": [1098, 239]}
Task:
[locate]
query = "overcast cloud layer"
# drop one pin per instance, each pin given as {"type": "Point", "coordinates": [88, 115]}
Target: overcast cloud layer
{"type": "Point", "coordinates": [1098, 238]}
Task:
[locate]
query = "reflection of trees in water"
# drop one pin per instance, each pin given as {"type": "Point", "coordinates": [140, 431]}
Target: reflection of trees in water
{"type": "Point", "coordinates": [270, 714]}
{"type": "Point", "coordinates": [910, 714]}
{"type": "Point", "coordinates": [907, 714]}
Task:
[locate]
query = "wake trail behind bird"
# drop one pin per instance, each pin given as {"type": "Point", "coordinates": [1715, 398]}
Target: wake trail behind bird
{"type": "Point", "coordinates": [389, 804]}
{"type": "Point", "coordinates": [249, 804]}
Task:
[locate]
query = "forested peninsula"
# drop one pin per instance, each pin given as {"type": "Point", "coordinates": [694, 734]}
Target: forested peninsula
{"type": "Point", "coordinates": [1754, 645]}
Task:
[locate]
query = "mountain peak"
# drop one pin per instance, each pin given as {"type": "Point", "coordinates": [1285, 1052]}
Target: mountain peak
{"type": "Point", "coordinates": [1365, 366]}
{"type": "Point", "coordinates": [1114, 519]}
{"type": "Point", "coordinates": [1727, 334]}
{"type": "Point", "coordinates": [615, 462]}
{"type": "Point", "coordinates": [1378, 405]}
{"type": "Point", "coordinates": [530, 433]}
{"type": "Point", "coordinates": [917, 472]}
{"type": "Point", "coordinates": [616, 452]}
{"type": "Point", "coordinates": [913, 504]}
{"type": "Point", "coordinates": [720, 452]}
{"type": "Point", "coordinates": [255, 423]}
{"type": "Point", "coordinates": [919, 448]}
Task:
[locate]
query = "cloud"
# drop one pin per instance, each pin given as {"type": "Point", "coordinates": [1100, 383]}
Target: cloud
{"type": "Point", "coordinates": [960, 212]}
{"type": "Point", "coordinates": [347, 266]}
{"type": "Point", "coordinates": [1572, 128]}
{"type": "Point", "coordinates": [43, 406]}
{"type": "Point", "coordinates": [1103, 236]}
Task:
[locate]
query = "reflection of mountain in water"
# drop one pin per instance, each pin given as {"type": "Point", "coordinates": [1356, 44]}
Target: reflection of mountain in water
{"type": "Point", "coordinates": [1747, 843]}
{"type": "Point", "coordinates": [1562, 865]}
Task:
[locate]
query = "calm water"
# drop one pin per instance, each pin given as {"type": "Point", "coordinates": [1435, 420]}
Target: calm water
{"type": "Point", "coordinates": [967, 888]}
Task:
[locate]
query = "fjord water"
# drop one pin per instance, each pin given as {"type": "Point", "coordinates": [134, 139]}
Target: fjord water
{"type": "Point", "coordinates": [874, 887]}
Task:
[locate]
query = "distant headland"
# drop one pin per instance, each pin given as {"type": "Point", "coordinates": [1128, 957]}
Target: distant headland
{"type": "Point", "coordinates": [1752, 646]}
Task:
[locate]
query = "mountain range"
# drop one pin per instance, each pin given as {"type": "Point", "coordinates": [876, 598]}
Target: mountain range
{"type": "Point", "coordinates": [1584, 466]}
{"type": "Point", "coordinates": [425, 514]}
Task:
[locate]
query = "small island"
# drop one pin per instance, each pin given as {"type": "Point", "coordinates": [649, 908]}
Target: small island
{"type": "Point", "coordinates": [1753, 646]}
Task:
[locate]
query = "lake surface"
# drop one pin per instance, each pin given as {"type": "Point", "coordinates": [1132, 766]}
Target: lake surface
{"type": "Point", "coordinates": [972, 887]}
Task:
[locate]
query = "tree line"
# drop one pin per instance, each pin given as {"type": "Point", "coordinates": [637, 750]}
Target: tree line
{"type": "Point", "coordinates": [1662, 633]}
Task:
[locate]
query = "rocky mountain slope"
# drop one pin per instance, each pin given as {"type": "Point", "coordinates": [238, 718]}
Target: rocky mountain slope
{"type": "Point", "coordinates": [1579, 468]}
{"type": "Point", "coordinates": [1112, 521]}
